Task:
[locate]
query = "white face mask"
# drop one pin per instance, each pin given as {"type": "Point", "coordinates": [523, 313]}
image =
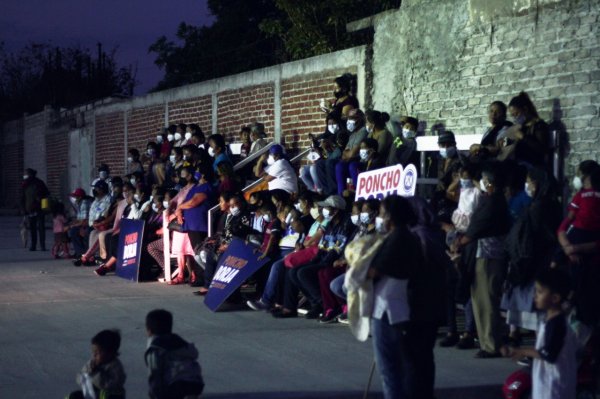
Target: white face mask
{"type": "Point", "coordinates": [466, 183]}
{"type": "Point", "coordinates": [483, 186]}
{"type": "Point", "coordinates": [354, 219]}
{"type": "Point", "coordinates": [369, 129]}
{"type": "Point", "coordinates": [150, 151]}
{"type": "Point", "coordinates": [314, 213]}
{"type": "Point", "coordinates": [298, 207]}
{"type": "Point", "coordinates": [408, 134]}
{"type": "Point", "coordinates": [266, 218]}
{"type": "Point", "coordinates": [129, 160]}
{"type": "Point", "coordinates": [333, 129]}
{"type": "Point", "coordinates": [363, 153]}
{"type": "Point", "coordinates": [177, 136]}
{"type": "Point", "coordinates": [326, 214]}
{"type": "Point", "coordinates": [528, 190]}
{"type": "Point", "coordinates": [170, 137]}
{"type": "Point", "coordinates": [25, 177]}
{"type": "Point", "coordinates": [103, 175]}
{"type": "Point", "coordinates": [188, 136]}
{"type": "Point", "coordinates": [288, 218]}
{"type": "Point", "coordinates": [379, 226]}
{"type": "Point", "coordinates": [234, 211]}
{"type": "Point", "coordinates": [159, 139]}
{"type": "Point", "coordinates": [577, 183]}
{"type": "Point", "coordinates": [133, 182]}
{"type": "Point", "coordinates": [270, 160]}
{"type": "Point", "coordinates": [365, 217]}
{"type": "Point", "coordinates": [211, 152]}
{"type": "Point", "coordinates": [172, 159]}
{"type": "Point", "coordinates": [136, 197]}
{"type": "Point", "coordinates": [155, 208]}
{"type": "Point", "coordinates": [166, 204]}
{"type": "Point", "coordinates": [350, 125]}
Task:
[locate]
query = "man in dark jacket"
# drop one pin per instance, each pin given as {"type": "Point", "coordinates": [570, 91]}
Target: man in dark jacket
{"type": "Point", "coordinates": [172, 362]}
{"type": "Point", "coordinates": [33, 191]}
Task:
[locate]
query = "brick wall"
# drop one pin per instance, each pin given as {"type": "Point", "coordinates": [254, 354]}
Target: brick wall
{"type": "Point", "coordinates": [35, 144]}
{"type": "Point", "coordinates": [451, 71]}
{"type": "Point", "coordinates": [300, 113]}
{"type": "Point", "coordinates": [110, 130]}
{"type": "Point", "coordinates": [243, 106]}
{"type": "Point", "coordinates": [194, 110]}
{"type": "Point", "coordinates": [11, 161]}
{"type": "Point", "coordinates": [57, 163]}
{"type": "Point", "coordinates": [143, 125]}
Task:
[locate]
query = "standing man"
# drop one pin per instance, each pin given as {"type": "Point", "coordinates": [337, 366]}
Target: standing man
{"type": "Point", "coordinates": [33, 191]}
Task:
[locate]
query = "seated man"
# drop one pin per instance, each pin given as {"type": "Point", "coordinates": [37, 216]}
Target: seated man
{"type": "Point", "coordinates": [78, 229]}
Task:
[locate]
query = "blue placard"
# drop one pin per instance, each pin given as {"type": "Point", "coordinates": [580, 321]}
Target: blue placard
{"type": "Point", "coordinates": [130, 249]}
{"type": "Point", "coordinates": [235, 266]}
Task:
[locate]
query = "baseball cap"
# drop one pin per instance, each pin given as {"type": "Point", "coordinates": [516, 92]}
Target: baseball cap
{"type": "Point", "coordinates": [78, 192]}
{"type": "Point", "coordinates": [277, 149]}
{"type": "Point", "coordinates": [333, 201]}
{"type": "Point", "coordinates": [446, 137]}
{"type": "Point", "coordinates": [101, 184]}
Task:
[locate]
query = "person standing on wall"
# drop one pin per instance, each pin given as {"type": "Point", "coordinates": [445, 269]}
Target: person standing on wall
{"type": "Point", "coordinates": [33, 191]}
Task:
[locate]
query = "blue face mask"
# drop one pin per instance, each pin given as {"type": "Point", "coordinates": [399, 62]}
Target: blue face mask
{"type": "Point", "coordinates": [520, 120]}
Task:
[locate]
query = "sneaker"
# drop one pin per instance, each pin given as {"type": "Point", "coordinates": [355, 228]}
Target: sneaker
{"type": "Point", "coordinates": [101, 271]}
{"type": "Point", "coordinates": [258, 305]}
{"type": "Point", "coordinates": [449, 340]}
{"type": "Point", "coordinates": [525, 361]}
{"type": "Point", "coordinates": [487, 355]}
{"type": "Point", "coordinates": [329, 317]}
{"type": "Point", "coordinates": [314, 312]}
{"type": "Point", "coordinates": [343, 318]}
{"type": "Point", "coordinates": [77, 262]}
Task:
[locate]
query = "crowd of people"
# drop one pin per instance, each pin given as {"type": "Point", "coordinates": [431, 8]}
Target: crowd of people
{"type": "Point", "coordinates": [490, 236]}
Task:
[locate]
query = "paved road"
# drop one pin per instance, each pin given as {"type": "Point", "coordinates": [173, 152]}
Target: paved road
{"type": "Point", "coordinates": [49, 310]}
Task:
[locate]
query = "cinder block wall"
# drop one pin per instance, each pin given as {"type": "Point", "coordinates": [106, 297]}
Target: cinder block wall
{"type": "Point", "coordinates": [446, 60]}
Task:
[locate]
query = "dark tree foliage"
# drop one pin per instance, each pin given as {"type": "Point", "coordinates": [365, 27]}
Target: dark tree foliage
{"type": "Point", "coordinates": [251, 34]}
{"type": "Point", "coordinates": [41, 74]}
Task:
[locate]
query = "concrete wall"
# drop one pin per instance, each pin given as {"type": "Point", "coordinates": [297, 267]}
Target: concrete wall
{"type": "Point", "coordinates": [446, 60]}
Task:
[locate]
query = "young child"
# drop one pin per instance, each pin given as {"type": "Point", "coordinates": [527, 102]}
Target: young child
{"type": "Point", "coordinates": [59, 223]}
{"type": "Point", "coordinates": [582, 224]}
{"type": "Point", "coordinates": [104, 370]}
{"type": "Point", "coordinates": [554, 373]}
{"type": "Point", "coordinates": [171, 361]}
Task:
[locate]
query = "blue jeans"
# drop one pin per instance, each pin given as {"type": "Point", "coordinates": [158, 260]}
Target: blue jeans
{"type": "Point", "coordinates": [310, 177]}
{"type": "Point", "coordinates": [469, 318]}
{"type": "Point", "coordinates": [337, 286]}
{"type": "Point", "coordinates": [80, 244]}
{"type": "Point", "coordinates": [275, 279]}
{"type": "Point", "coordinates": [393, 358]}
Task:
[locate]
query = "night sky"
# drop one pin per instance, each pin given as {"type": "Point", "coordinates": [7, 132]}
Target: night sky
{"type": "Point", "coordinates": [132, 25]}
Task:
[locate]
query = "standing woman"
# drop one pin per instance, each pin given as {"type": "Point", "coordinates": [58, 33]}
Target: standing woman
{"type": "Point", "coordinates": [530, 132]}
{"type": "Point", "coordinates": [391, 315]}
{"type": "Point", "coordinates": [181, 245]}
{"type": "Point", "coordinates": [193, 214]}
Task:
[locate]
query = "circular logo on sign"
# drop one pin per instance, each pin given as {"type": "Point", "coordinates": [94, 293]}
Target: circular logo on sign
{"type": "Point", "coordinates": [409, 181]}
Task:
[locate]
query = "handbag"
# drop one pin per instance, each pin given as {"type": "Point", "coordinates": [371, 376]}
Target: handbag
{"type": "Point", "coordinates": [174, 225]}
{"type": "Point", "coordinates": [300, 257]}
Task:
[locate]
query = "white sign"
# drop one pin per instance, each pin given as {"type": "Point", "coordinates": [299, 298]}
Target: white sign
{"type": "Point", "coordinates": [393, 180]}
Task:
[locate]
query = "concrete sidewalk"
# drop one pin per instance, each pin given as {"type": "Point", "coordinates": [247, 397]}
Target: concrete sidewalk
{"type": "Point", "coordinates": [49, 310]}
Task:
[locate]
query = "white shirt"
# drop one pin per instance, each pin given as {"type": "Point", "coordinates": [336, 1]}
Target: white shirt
{"type": "Point", "coordinates": [391, 299]}
{"type": "Point", "coordinates": [285, 176]}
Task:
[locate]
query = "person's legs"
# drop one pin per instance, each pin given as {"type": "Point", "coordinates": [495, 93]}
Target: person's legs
{"type": "Point", "coordinates": [315, 175]}
{"type": "Point", "coordinates": [331, 184]}
{"type": "Point", "coordinates": [421, 343]}
{"type": "Point", "coordinates": [102, 243]}
{"type": "Point", "coordinates": [275, 280]}
{"type": "Point", "coordinates": [290, 289]}
{"type": "Point", "coordinates": [156, 250]}
{"type": "Point", "coordinates": [331, 302]}
{"type": "Point", "coordinates": [337, 286]}
{"type": "Point", "coordinates": [354, 171]}
{"type": "Point", "coordinates": [391, 356]}
{"type": "Point", "coordinates": [92, 245]}
{"type": "Point", "coordinates": [485, 294]}
{"type": "Point", "coordinates": [33, 232]}
{"type": "Point", "coordinates": [41, 223]}
{"type": "Point", "coordinates": [210, 267]}
{"type": "Point", "coordinates": [308, 282]}
{"type": "Point", "coordinates": [77, 240]}
{"type": "Point", "coordinates": [307, 178]}
{"type": "Point", "coordinates": [341, 174]}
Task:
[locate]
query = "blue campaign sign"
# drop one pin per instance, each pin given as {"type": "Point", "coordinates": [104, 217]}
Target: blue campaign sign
{"type": "Point", "coordinates": [130, 249]}
{"type": "Point", "coordinates": [235, 266]}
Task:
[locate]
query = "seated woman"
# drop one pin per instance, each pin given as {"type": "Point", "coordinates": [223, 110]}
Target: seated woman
{"type": "Point", "coordinates": [279, 174]}
{"type": "Point", "coordinates": [234, 222]}
{"type": "Point", "coordinates": [369, 159]}
{"type": "Point", "coordinates": [357, 132]}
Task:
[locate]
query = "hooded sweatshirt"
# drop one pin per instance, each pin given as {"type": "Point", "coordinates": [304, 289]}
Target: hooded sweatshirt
{"type": "Point", "coordinates": [170, 359]}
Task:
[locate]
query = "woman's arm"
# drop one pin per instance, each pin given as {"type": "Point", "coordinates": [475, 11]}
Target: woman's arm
{"type": "Point", "coordinates": [193, 202]}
